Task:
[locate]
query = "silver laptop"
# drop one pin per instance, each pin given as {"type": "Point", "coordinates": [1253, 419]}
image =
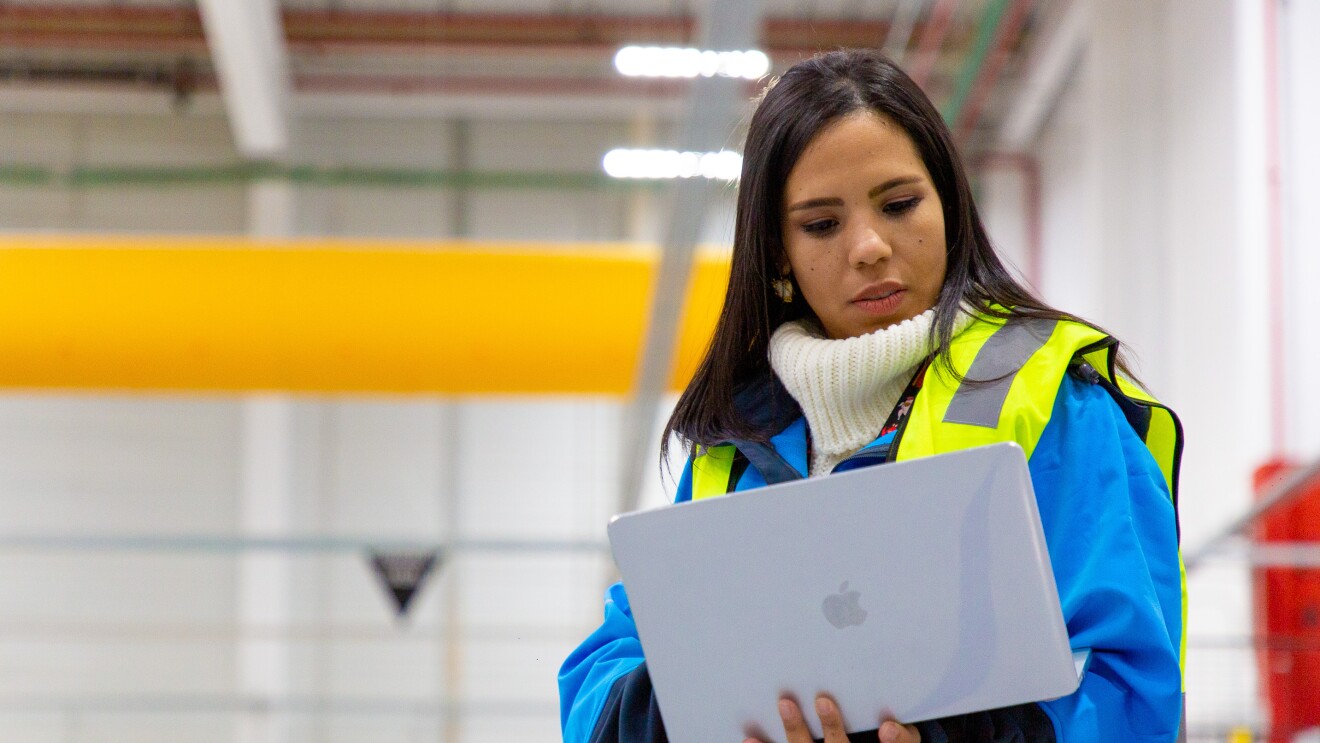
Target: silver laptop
{"type": "Point", "coordinates": [918, 589]}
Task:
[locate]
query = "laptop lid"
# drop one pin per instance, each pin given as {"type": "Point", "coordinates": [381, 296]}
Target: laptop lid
{"type": "Point", "coordinates": [920, 589]}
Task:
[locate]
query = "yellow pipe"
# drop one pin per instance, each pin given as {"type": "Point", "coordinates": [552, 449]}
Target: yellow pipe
{"type": "Point", "coordinates": [321, 316]}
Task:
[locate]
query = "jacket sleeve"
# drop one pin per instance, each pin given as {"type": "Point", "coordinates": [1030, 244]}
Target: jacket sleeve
{"type": "Point", "coordinates": [1110, 529]}
{"type": "Point", "coordinates": [604, 689]}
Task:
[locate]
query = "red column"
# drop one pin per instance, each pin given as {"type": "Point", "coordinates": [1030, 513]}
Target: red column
{"type": "Point", "coordinates": [1287, 611]}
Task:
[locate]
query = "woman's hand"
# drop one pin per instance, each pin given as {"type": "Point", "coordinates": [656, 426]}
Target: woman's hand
{"type": "Point", "coordinates": [795, 726]}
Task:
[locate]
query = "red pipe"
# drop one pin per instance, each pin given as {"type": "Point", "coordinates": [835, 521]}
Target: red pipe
{"type": "Point", "coordinates": [507, 28]}
{"type": "Point", "coordinates": [785, 34]}
{"type": "Point", "coordinates": [1009, 29]}
{"type": "Point", "coordinates": [104, 42]}
{"type": "Point", "coordinates": [487, 85]}
{"type": "Point", "coordinates": [205, 82]}
{"type": "Point", "coordinates": [931, 40]}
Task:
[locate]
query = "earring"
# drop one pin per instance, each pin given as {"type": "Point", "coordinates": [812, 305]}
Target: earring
{"type": "Point", "coordinates": [784, 288]}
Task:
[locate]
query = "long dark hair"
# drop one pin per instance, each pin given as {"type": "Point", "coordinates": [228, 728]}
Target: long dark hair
{"type": "Point", "coordinates": [792, 110]}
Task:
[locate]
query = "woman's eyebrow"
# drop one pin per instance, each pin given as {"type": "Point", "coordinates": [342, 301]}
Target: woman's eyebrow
{"type": "Point", "coordinates": [903, 180]}
{"type": "Point", "coordinates": [812, 203]}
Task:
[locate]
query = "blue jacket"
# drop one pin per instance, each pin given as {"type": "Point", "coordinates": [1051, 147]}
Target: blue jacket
{"type": "Point", "coordinates": [1110, 528]}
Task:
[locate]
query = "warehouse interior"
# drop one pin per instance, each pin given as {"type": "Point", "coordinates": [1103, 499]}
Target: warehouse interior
{"type": "Point", "coordinates": [308, 297]}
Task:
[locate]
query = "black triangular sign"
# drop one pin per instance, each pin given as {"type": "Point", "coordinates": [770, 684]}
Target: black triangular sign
{"type": "Point", "coordinates": [403, 573]}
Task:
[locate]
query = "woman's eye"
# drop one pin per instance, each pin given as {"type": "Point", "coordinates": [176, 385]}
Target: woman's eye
{"type": "Point", "coordinates": [819, 227]}
{"type": "Point", "coordinates": [902, 207]}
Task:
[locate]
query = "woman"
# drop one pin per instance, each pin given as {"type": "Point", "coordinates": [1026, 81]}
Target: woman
{"type": "Point", "coordinates": [868, 320]}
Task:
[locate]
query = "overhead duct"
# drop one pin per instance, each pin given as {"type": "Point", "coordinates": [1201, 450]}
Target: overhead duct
{"type": "Point", "coordinates": [320, 316]}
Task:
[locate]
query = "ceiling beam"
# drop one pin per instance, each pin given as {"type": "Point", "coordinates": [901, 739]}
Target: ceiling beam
{"type": "Point", "coordinates": [901, 29]}
{"type": "Point", "coordinates": [714, 107]}
{"type": "Point", "coordinates": [1001, 23]}
{"type": "Point", "coordinates": [1050, 62]}
{"type": "Point", "coordinates": [930, 41]}
{"type": "Point", "coordinates": [246, 40]}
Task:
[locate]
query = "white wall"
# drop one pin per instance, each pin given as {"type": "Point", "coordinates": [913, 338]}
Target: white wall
{"type": "Point", "coordinates": [1004, 199]}
{"type": "Point", "coordinates": [1300, 160]}
{"type": "Point", "coordinates": [84, 625]}
{"type": "Point", "coordinates": [157, 629]}
{"type": "Point", "coordinates": [66, 141]}
{"type": "Point", "coordinates": [1209, 217]}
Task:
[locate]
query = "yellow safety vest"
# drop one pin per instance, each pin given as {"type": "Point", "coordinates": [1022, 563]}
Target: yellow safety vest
{"type": "Point", "coordinates": [1010, 375]}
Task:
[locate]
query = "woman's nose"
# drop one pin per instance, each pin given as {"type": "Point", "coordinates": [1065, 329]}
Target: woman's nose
{"type": "Point", "coordinates": [868, 248]}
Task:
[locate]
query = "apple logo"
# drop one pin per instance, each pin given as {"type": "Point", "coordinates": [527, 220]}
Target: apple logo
{"type": "Point", "coordinates": [842, 608]}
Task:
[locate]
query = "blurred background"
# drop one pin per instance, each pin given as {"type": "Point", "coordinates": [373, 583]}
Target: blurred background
{"type": "Point", "coordinates": [332, 332]}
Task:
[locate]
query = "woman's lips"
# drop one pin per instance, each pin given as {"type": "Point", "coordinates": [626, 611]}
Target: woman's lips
{"type": "Point", "coordinates": [880, 305]}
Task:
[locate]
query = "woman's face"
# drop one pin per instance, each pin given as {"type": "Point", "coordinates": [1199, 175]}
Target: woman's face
{"type": "Point", "coordinates": [863, 227]}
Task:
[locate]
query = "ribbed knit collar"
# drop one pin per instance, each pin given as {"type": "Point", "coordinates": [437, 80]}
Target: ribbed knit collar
{"type": "Point", "coordinates": [847, 388]}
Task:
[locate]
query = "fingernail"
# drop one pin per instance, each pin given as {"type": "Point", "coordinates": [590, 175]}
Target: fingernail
{"type": "Point", "coordinates": [785, 709]}
{"type": "Point", "coordinates": [887, 733]}
{"type": "Point", "coordinates": [822, 706]}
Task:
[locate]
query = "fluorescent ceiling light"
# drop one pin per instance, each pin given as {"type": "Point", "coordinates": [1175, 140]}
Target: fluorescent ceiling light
{"type": "Point", "coordinates": [675, 61]}
{"type": "Point", "coordinates": [724, 165]}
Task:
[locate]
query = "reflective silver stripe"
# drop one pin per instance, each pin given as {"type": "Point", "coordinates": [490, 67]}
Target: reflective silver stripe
{"type": "Point", "coordinates": [978, 403]}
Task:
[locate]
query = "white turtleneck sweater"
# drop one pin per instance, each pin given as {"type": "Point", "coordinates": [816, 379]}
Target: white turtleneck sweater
{"type": "Point", "coordinates": [847, 388]}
